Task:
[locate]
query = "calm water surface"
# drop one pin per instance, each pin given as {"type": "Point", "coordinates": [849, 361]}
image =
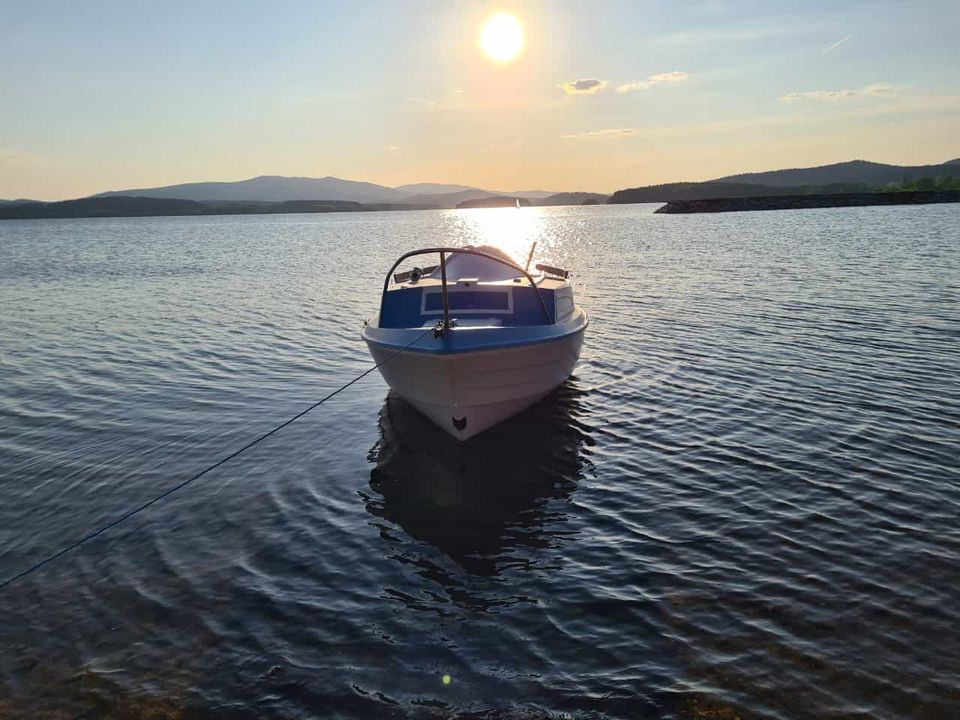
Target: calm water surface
{"type": "Point", "coordinates": [746, 503]}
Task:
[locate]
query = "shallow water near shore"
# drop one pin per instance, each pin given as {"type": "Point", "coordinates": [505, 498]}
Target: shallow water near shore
{"type": "Point", "coordinates": [744, 503]}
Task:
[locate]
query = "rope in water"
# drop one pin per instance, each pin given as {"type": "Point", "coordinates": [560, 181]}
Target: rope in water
{"type": "Point", "coordinates": [166, 493]}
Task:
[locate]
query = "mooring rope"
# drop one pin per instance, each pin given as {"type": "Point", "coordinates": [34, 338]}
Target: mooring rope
{"type": "Point", "coordinates": [130, 513]}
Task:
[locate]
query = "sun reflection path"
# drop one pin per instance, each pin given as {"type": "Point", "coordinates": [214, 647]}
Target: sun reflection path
{"type": "Point", "coordinates": [513, 230]}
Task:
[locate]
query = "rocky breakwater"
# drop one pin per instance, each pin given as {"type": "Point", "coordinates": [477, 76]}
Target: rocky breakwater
{"type": "Point", "coordinates": [796, 202]}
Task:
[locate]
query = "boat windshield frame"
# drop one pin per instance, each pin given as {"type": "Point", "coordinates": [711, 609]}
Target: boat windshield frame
{"type": "Point", "coordinates": [443, 251]}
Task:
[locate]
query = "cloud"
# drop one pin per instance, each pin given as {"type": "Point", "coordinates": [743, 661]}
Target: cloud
{"type": "Point", "coordinates": [669, 77]}
{"type": "Point", "coordinates": [661, 79]}
{"type": "Point", "coordinates": [875, 90]}
{"type": "Point", "coordinates": [837, 44]}
{"type": "Point", "coordinates": [587, 86]}
{"type": "Point", "coordinates": [878, 89]}
{"type": "Point", "coordinates": [608, 132]}
{"type": "Point", "coordinates": [818, 95]}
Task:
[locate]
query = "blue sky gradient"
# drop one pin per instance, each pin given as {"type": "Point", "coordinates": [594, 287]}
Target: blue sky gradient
{"type": "Point", "coordinates": [107, 95]}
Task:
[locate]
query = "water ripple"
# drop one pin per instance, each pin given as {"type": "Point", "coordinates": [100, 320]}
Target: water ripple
{"type": "Point", "coordinates": [744, 504]}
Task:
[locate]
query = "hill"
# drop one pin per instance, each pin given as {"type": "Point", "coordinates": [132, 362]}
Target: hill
{"type": "Point", "coordinates": [270, 188]}
{"type": "Point", "coordinates": [573, 198]}
{"type": "Point", "coordinates": [529, 194]}
{"type": "Point", "coordinates": [495, 201]}
{"type": "Point", "coordinates": [276, 188]}
{"type": "Point", "coordinates": [449, 200]}
{"type": "Point", "coordinates": [692, 191]}
{"type": "Point", "coordinates": [856, 176]}
{"type": "Point", "coordinates": [101, 207]}
{"type": "Point", "coordinates": [855, 171]}
{"type": "Point", "coordinates": [124, 206]}
{"type": "Point", "coordinates": [453, 199]}
{"type": "Point", "coordinates": [431, 189]}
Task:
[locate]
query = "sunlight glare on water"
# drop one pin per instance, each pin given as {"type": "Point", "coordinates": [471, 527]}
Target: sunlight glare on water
{"type": "Point", "coordinates": [513, 230]}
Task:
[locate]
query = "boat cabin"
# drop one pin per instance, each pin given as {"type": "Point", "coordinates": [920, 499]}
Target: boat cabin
{"type": "Point", "coordinates": [484, 288]}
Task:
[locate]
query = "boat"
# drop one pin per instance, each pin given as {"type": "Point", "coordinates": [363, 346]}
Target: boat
{"type": "Point", "coordinates": [477, 338]}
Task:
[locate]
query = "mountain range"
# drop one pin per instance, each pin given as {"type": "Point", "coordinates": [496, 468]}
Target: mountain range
{"type": "Point", "coordinates": [275, 188]}
{"type": "Point", "coordinates": [269, 192]}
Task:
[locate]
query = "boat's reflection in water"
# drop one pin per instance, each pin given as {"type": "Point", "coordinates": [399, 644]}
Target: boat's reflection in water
{"type": "Point", "coordinates": [492, 502]}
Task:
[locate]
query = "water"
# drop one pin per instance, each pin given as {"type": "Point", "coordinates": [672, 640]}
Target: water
{"type": "Point", "coordinates": [744, 504]}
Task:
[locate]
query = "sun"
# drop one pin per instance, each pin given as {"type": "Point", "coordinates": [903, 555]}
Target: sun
{"type": "Point", "coordinates": [502, 38]}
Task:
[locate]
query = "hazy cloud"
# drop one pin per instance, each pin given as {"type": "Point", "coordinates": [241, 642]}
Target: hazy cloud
{"type": "Point", "coordinates": [837, 44]}
{"type": "Point", "coordinates": [16, 157]}
{"type": "Point", "coordinates": [818, 95]}
{"type": "Point", "coordinates": [587, 86]}
{"type": "Point", "coordinates": [661, 79]}
{"type": "Point", "coordinates": [670, 77]}
{"type": "Point", "coordinates": [877, 89]}
{"type": "Point", "coordinates": [608, 132]}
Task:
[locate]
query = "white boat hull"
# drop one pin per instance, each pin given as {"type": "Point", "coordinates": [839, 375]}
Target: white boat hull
{"type": "Point", "coordinates": [465, 393]}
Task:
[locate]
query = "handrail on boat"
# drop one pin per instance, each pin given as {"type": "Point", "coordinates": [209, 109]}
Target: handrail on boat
{"type": "Point", "coordinates": [443, 269]}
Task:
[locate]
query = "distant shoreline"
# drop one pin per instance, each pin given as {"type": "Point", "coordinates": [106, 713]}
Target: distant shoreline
{"type": "Point", "coordinates": [496, 201]}
{"type": "Point", "coordinates": [123, 206]}
{"type": "Point", "coordinates": [795, 202]}
{"type": "Point", "coordinates": [127, 206]}
{"type": "Point", "coordinates": [133, 207]}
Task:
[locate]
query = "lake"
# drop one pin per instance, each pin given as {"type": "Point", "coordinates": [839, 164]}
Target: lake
{"type": "Point", "coordinates": [745, 503]}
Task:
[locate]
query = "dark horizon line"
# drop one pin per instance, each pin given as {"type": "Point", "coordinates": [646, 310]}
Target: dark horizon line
{"type": "Point", "coordinates": [123, 192]}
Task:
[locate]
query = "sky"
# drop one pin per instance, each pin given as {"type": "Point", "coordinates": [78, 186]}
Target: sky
{"type": "Point", "coordinates": [100, 95]}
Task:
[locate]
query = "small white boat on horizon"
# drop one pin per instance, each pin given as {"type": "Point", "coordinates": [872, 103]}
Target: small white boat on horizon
{"type": "Point", "coordinates": [501, 338]}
